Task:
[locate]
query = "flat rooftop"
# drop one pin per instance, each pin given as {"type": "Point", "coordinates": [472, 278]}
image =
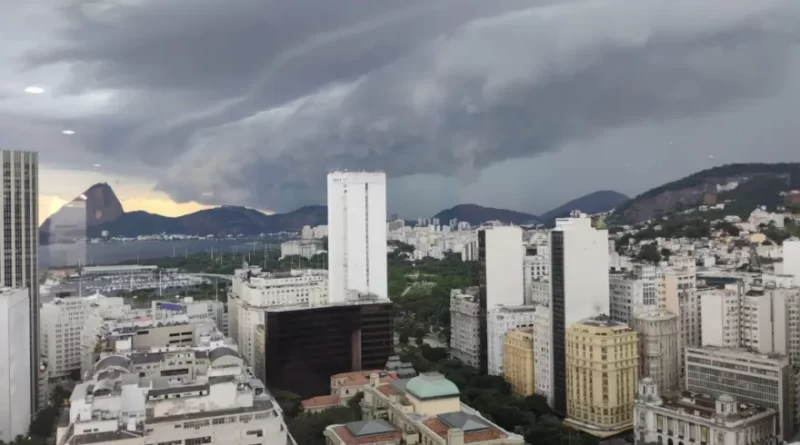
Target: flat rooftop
{"type": "Point", "coordinates": [704, 406]}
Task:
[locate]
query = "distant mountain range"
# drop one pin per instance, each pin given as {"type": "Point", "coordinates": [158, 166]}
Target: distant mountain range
{"type": "Point", "coordinates": [104, 212]}
{"type": "Point", "coordinates": [475, 214]}
{"type": "Point", "coordinates": [596, 202]}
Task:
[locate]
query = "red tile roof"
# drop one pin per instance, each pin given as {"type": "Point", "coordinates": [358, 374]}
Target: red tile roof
{"type": "Point", "coordinates": [321, 401]}
{"type": "Point", "coordinates": [440, 428]}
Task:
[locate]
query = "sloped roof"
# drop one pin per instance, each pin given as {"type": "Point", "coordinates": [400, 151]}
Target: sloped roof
{"type": "Point", "coordinates": [369, 427]}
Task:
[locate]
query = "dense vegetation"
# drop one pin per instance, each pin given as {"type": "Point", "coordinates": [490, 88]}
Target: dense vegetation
{"type": "Point", "coordinates": [694, 228]}
{"type": "Point", "coordinates": [420, 291]}
{"type": "Point", "coordinates": [729, 170]}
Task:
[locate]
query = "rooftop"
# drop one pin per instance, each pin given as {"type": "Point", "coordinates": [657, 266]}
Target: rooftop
{"type": "Point", "coordinates": [704, 406]}
{"type": "Point", "coordinates": [361, 378]}
{"type": "Point", "coordinates": [431, 385]}
{"type": "Point", "coordinates": [477, 429]}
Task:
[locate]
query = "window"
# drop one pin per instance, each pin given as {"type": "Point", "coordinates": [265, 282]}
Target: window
{"type": "Point", "coordinates": [198, 440]}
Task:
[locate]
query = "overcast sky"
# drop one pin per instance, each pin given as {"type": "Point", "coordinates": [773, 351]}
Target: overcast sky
{"type": "Point", "coordinates": [181, 104]}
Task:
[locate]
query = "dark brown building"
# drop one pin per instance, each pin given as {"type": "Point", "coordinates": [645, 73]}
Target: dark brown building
{"type": "Point", "coordinates": [305, 347]}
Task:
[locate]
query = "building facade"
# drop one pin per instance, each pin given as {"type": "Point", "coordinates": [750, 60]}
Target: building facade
{"type": "Point", "coordinates": [15, 372]}
{"type": "Point", "coordinates": [683, 417]}
{"type": "Point", "coordinates": [542, 353]}
{"type": "Point", "coordinates": [210, 399]}
{"type": "Point", "coordinates": [633, 292]}
{"type": "Point", "coordinates": [19, 266]}
{"type": "Point", "coordinates": [678, 295]}
{"type": "Point", "coordinates": [579, 289]}
{"type": "Point", "coordinates": [518, 361]}
{"type": "Point", "coordinates": [423, 410]}
{"type": "Point", "coordinates": [758, 379]}
{"type": "Point", "coordinates": [500, 320]}
{"type": "Point", "coordinates": [658, 348]}
{"type": "Point", "coordinates": [62, 321]}
{"type": "Point", "coordinates": [254, 291]}
{"type": "Point", "coordinates": [465, 325]}
{"type": "Point", "coordinates": [357, 234]}
{"type": "Point", "coordinates": [602, 376]}
{"type": "Point", "coordinates": [305, 346]}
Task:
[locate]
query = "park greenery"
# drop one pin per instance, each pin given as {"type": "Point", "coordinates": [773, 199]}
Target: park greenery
{"type": "Point", "coordinates": [421, 289]}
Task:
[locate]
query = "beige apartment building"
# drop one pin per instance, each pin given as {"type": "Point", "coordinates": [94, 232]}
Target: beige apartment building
{"type": "Point", "coordinates": [424, 410]}
{"type": "Point", "coordinates": [518, 361]}
{"type": "Point", "coordinates": [602, 375]}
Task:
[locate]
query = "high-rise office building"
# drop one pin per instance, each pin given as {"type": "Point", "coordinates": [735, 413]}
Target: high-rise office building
{"type": "Point", "coordinates": [579, 289]}
{"type": "Point", "coordinates": [603, 374]}
{"type": "Point", "coordinates": [357, 234]}
{"type": "Point", "coordinates": [304, 347]}
{"type": "Point", "coordinates": [19, 265]}
{"type": "Point", "coordinates": [15, 373]}
{"type": "Point", "coordinates": [500, 277]}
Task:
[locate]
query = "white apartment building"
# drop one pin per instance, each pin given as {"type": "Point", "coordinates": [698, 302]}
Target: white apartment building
{"type": "Point", "coordinates": [579, 286]}
{"type": "Point", "coordinates": [791, 259]}
{"type": "Point", "coordinates": [699, 418]}
{"type": "Point", "coordinates": [357, 234]}
{"type": "Point", "coordinates": [15, 372]}
{"type": "Point", "coordinates": [542, 353]}
{"type": "Point", "coordinates": [433, 241]}
{"type": "Point", "coordinates": [69, 324]}
{"type": "Point", "coordinates": [763, 320]}
{"type": "Point", "coordinates": [759, 379]}
{"type": "Point", "coordinates": [211, 399]}
{"type": "Point", "coordinates": [465, 341]}
{"type": "Point", "coordinates": [678, 295]}
{"type": "Point", "coordinates": [540, 293]}
{"type": "Point", "coordinates": [502, 257]}
{"type": "Point", "coordinates": [720, 315]}
{"type": "Point", "coordinates": [254, 291]}
{"type": "Point", "coordinates": [62, 320]}
{"type": "Point", "coordinates": [499, 321]}
{"type": "Point", "coordinates": [536, 269]}
{"type": "Point", "coordinates": [632, 293]}
{"type": "Point", "coordinates": [306, 247]}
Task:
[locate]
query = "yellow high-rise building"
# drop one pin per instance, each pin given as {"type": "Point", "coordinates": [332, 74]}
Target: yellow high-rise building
{"type": "Point", "coordinates": [518, 361]}
{"type": "Point", "coordinates": [602, 375]}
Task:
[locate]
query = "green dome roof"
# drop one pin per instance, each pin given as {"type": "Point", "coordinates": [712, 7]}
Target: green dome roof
{"type": "Point", "coordinates": [431, 385]}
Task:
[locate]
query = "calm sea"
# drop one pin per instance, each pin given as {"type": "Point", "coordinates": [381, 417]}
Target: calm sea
{"type": "Point", "coordinates": [59, 255]}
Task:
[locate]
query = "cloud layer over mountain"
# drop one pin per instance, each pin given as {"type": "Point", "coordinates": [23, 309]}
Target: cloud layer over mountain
{"type": "Point", "coordinates": [244, 102]}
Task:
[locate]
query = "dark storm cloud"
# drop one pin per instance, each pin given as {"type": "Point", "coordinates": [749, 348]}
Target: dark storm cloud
{"type": "Point", "coordinates": [252, 102]}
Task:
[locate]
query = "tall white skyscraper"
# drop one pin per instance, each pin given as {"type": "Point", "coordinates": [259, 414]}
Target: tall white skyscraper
{"type": "Point", "coordinates": [503, 264]}
{"type": "Point", "coordinates": [356, 234]}
{"type": "Point", "coordinates": [579, 286]}
{"type": "Point", "coordinates": [19, 226]}
{"type": "Point", "coordinates": [15, 364]}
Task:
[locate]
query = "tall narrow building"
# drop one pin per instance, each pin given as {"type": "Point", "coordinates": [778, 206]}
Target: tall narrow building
{"type": "Point", "coordinates": [579, 287]}
{"type": "Point", "coordinates": [357, 234]}
{"type": "Point", "coordinates": [19, 265]}
{"type": "Point", "coordinates": [501, 279]}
